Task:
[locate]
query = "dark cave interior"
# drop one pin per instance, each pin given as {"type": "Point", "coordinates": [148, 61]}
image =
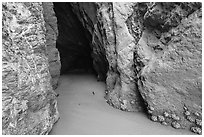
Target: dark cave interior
{"type": "Point", "coordinates": [72, 41]}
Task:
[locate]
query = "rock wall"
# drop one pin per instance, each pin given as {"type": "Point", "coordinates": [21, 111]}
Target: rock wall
{"type": "Point", "coordinates": [154, 57]}
{"type": "Point", "coordinates": [148, 53]}
{"type": "Point", "coordinates": [51, 38]}
{"type": "Point", "coordinates": [29, 104]}
{"type": "Point", "coordinates": [168, 58]}
{"type": "Point", "coordinates": [110, 38]}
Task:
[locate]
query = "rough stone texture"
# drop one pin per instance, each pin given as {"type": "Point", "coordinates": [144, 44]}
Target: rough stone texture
{"type": "Point", "coordinates": [149, 53]}
{"type": "Point", "coordinates": [168, 59]}
{"type": "Point", "coordinates": [29, 104]}
{"type": "Point", "coordinates": [154, 51]}
{"type": "Point", "coordinates": [51, 37]}
{"type": "Point", "coordinates": [110, 38]}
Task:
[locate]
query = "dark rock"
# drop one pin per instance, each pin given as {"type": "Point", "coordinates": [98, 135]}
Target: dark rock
{"type": "Point", "coordinates": [73, 42]}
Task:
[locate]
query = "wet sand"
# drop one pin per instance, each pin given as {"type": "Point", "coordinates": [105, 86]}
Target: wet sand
{"type": "Point", "coordinates": [83, 113]}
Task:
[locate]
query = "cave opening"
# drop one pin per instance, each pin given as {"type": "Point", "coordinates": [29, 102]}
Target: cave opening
{"type": "Point", "coordinates": [73, 42]}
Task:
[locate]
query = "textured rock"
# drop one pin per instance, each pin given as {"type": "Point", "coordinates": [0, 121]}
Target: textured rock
{"type": "Point", "coordinates": [168, 56]}
{"type": "Point", "coordinates": [51, 37]}
{"type": "Point", "coordinates": [28, 102]}
{"type": "Point", "coordinates": [154, 51]}
{"type": "Point", "coordinates": [110, 38]}
{"type": "Point", "coordinates": [148, 53]}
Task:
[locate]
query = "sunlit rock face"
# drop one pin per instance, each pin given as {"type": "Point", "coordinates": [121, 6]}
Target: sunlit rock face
{"type": "Point", "coordinates": [28, 102]}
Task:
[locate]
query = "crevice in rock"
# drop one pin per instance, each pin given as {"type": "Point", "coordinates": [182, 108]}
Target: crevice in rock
{"type": "Point", "coordinates": [149, 54]}
{"type": "Point", "coordinates": [73, 42]}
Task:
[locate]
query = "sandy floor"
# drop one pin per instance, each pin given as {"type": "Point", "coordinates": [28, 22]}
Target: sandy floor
{"type": "Point", "coordinates": [82, 112]}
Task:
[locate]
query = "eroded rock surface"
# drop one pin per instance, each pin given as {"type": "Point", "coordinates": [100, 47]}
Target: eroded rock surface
{"type": "Point", "coordinates": [110, 38]}
{"type": "Point", "coordinates": [51, 39]}
{"type": "Point", "coordinates": [168, 58]}
{"type": "Point", "coordinates": [29, 104]}
{"type": "Point", "coordinates": [154, 51]}
{"type": "Point", "coordinates": [148, 53]}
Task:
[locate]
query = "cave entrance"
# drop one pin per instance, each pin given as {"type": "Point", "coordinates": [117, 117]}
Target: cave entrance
{"type": "Point", "coordinates": [73, 42]}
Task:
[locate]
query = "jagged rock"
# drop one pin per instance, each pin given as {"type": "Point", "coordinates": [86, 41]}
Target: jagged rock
{"type": "Point", "coordinates": [149, 54]}
{"type": "Point", "coordinates": [155, 45]}
{"type": "Point", "coordinates": [29, 104]}
{"type": "Point", "coordinates": [107, 24]}
{"type": "Point", "coordinates": [169, 64]}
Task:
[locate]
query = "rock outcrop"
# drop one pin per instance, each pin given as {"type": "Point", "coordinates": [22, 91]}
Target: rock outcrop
{"type": "Point", "coordinates": [154, 57]}
{"type": "Point", "coordinates": [168, 58]}
{"type": "Point", "coordinates": [29, 104]}
{"type": "Point", "coordinates": [110, 38]}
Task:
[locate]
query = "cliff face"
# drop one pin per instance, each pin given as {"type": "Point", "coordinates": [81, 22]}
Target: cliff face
{"type": "Point", "coordinates": [28, 102]}
{"type": "Point", "coordinates": [149, 54]}
{"type": "Point", "coordinates": [154, 57]}
{"type": "Point", "coordinates": [168, 58]}
{"type": "Point", "coordinates": [109, 32]}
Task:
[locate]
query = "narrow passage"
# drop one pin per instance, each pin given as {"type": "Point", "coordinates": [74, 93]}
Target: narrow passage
{"type": "Point", "coordinates": [83, 110]}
